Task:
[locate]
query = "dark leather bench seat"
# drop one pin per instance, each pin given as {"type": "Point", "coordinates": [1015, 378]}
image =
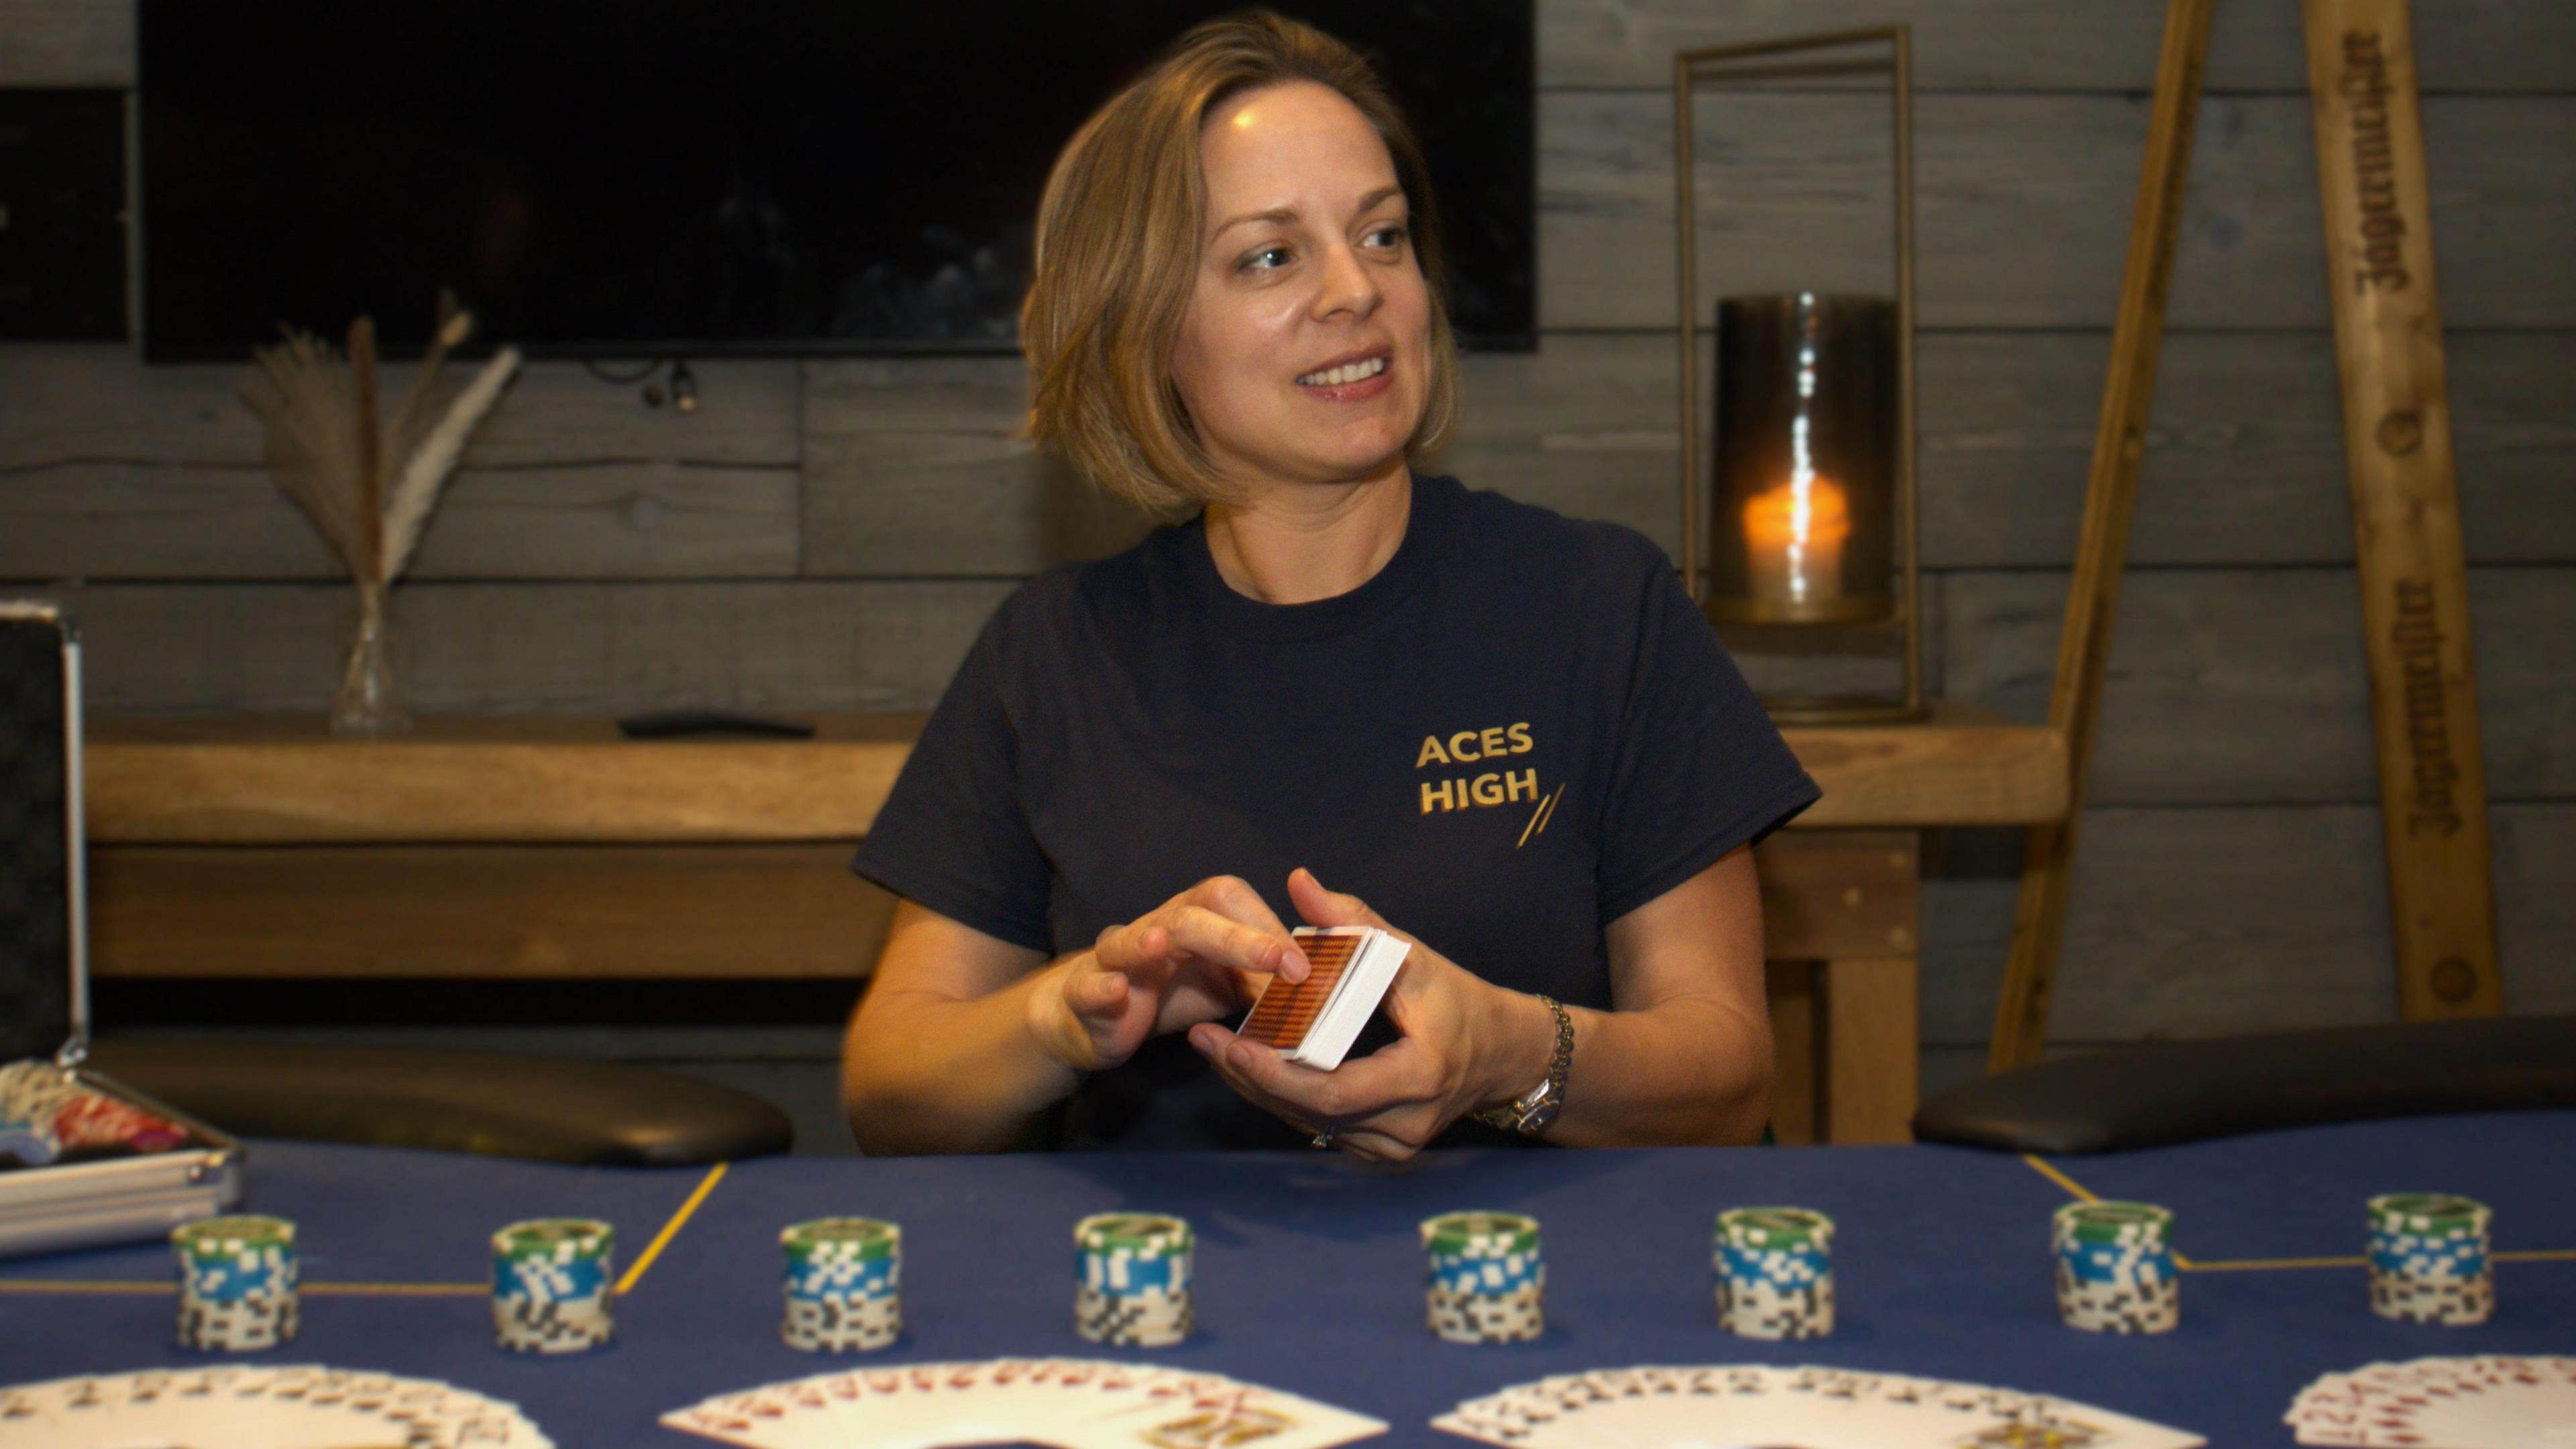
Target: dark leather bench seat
{"type": "Point", "coordinates": [2166, 1092]}
{"type": "Point", "coordinates": [554, 1109]}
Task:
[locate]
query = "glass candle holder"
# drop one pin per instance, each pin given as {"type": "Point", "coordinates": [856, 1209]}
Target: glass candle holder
{"type": "Point", "coordinates": [1805, 514]}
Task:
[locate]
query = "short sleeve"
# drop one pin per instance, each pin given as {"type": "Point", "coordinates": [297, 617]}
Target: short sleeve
{"type": "Point", "coordinates": [1699, 768]}
{"type": "Point", "coordinates": [953, 835]}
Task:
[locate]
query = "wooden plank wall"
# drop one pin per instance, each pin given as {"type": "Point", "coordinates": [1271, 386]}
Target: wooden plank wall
{"type": "Point", "coordinates": [828, 534]}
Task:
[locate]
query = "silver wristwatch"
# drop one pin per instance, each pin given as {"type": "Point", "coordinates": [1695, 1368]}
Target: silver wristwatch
{"type": "Point", "coordinates": [1531, 1113]}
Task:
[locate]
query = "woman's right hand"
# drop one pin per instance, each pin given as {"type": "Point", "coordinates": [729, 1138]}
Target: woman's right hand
{"type": "Point", "coordinates": [1197, 957]}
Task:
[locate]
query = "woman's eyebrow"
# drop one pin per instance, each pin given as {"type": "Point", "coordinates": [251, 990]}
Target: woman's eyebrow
{"type": "Point", "coordinates": [1284, 214]}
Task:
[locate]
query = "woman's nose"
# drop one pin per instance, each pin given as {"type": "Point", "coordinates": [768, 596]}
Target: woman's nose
{"type": "Point", "coordinates": [1348, 284]}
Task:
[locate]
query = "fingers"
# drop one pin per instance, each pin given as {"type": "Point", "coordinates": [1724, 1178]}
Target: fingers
{"type": "Point", "coordinates": [1160, 941]}
{"type": "Point", "coordinates": [1402, 1074]}
{"type": "Point", "coordinates": [1091, 993]}
{"type": "Point", "coordinates": [1099, 1019]}
{"type": "Point", "coordinates": [1371, 1146]}
{"type": "Point", "coordinates": [1232, 896]}
{"type": "Point", "coordinates": [1200, 992]}
{"type": "Point", "coordinates": [1360, 1091]}
{"type": "Point", "coordinates": [1321, 907]}
{"type": "Point", "coordinates": [1391, 1132]}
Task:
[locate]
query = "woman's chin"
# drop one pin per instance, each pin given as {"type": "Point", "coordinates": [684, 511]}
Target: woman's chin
{"type": "Point", "coordinates": [1358, 465]}
{"type": "Point", "coordinates": [1360, 451]}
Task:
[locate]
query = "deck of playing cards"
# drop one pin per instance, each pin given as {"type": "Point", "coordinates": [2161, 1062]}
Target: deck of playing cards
{"type": "Point", "coordinates": [1819, 1408]}
{"type": "Point", "coordinates": [1313, 1022]}
{"type": "Point", "coordinates": [1065, 1403]}
{"type": "Point", "coordinates": [2488, 1402]}
{"type": "Point", "coordinates": [237, 1406]}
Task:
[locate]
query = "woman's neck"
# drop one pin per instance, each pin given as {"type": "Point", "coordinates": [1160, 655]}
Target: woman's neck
{"type": "Point", "coordinates": [1299, 542]}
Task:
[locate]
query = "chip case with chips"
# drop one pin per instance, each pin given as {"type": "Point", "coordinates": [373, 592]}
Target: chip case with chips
{"type": "Point", "coordinates": [82, 1160]}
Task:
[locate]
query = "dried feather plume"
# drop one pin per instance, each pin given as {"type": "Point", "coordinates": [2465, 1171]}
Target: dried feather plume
{"type": "Point", "coordinates": [369, 488]}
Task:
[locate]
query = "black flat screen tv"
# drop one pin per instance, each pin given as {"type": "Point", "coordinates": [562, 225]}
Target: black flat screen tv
{"type": "Point", "coordinates": [698, 177]}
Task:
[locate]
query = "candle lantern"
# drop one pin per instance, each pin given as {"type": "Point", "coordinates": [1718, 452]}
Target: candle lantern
{"type": "Point", "coordinates": [1810, 535]}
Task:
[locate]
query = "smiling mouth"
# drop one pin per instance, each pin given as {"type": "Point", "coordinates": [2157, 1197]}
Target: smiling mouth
{"type": "Point", "coordinates": [1348, 372]}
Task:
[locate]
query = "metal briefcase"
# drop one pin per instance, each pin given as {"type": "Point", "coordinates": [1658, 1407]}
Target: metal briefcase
{"type": "Point", "coordinates": [90, 1194]}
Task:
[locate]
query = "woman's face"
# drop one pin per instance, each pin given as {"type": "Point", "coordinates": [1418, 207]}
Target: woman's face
{"type": "Point", "coordinates": [1308, 264]}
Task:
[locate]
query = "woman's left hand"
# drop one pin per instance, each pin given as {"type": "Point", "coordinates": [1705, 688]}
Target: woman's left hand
{"type": "Point", "coordinates": [1466, 1043]}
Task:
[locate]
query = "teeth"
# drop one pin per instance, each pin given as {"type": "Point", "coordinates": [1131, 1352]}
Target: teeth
{"type": "Point", "coordinates": [1350, 372]}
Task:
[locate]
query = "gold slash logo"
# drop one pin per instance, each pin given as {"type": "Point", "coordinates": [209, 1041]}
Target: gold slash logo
{"type": "Point", "coordinates": [1538, 819]}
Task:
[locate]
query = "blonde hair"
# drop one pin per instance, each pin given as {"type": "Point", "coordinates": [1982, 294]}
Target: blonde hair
{"type": "Point", "coordinates": [1119, 241]}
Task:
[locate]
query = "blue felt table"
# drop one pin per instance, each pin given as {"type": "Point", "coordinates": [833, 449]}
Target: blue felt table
{"type": "Point", "coordinates": [1310, 1272]}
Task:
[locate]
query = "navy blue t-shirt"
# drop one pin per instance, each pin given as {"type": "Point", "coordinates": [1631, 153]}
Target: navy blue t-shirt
{"type": "Point", "coordinates": [1517, 731]}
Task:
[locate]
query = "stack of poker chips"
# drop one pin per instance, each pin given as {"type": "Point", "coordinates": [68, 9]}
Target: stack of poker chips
{"type": "Point", "coordinates": [1488, 1277]}
{"type": "Point", "coordinates": [2428, 1258]}
{"type": "Point", "coordinates": [2115, 1268]}
{"type": "Point", "coordinates": [236, 1283]}
{"type": "Point", "coordinates": [1132, 1279]}
{"type": "Point", "coordinates": [1775, 1272]}
{"type": "Point", "coordinates": [844, 1284]}
{"type": "Point", "coordinates": [550, 1285]}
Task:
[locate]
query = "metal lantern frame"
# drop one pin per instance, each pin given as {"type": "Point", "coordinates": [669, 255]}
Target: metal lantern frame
{"type": "Point", "coordinates": [1690, 69]}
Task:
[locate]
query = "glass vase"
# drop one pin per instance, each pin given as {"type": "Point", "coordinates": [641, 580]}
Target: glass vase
{"type": "Point", "coordinates": [371, 700]}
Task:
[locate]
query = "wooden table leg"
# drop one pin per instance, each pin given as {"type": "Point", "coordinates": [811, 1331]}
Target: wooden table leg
{"type": "Point", "coordinates": [1795, 1084]}
{"type": "Point", "coordinates": [1839, 916]}
{"type": "Point", "coordinates": [1872, 1049]}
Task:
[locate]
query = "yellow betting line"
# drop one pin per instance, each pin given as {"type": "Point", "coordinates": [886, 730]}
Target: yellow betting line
{"type": "Point", "coordinates": [2040, 1166]}
{"type": "Point", "coordinates": [2240, 1265]}
{"type": "Point", "coordinates": [2248, 1265]}
{"type": "Point", "coordinates": [2085, 1194]}
{"type": "Point", "coordinates": [671, 1229]}
{"type": "Point", "coordinates": [634, 1274]}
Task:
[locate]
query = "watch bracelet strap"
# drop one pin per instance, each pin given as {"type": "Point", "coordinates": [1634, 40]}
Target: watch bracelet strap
{"type": "Point", "coordinates": [1508, 1116]}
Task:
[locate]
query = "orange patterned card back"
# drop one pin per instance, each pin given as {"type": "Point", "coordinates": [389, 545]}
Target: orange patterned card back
{"type": "Point", "coordinates": [1286, 1009]}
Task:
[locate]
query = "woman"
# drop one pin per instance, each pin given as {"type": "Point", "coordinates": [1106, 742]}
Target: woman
{"type": "Point", "coordinates": [1343, 693]}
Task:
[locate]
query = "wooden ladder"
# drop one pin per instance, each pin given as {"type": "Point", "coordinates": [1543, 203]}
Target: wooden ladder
{"type": "Point", "coordinates": [2379, 261]}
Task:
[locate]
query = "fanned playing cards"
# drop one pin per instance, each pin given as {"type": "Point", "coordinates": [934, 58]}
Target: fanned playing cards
{"type": "Point", "coordinates": [1814, 1408]}
{"type": "Point", "coordinates": [1313, 1022]}
{"type": "Point", "coordinates": [234, 1406]}
{"type": "Point", "coordinates": [1067, 1403]}
{"type": "Point", "coordinates": [2490, 1402]}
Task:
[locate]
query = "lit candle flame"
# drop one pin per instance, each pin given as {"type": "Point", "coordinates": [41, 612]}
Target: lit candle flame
{"type": "Point", "coordinates": [1794, 534]}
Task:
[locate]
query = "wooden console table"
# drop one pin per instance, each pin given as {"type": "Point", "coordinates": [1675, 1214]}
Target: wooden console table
{"type": "Point", "coordinates": [245, 847]}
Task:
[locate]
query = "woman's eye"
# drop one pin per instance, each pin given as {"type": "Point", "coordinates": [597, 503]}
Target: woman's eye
{"type": "Point", "coordinates": [1394, 234]}
{"type": "Point", "coordinates": [1254, 261]}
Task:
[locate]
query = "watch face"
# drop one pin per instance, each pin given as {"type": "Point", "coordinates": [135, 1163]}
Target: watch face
{"type": "Point", "coordinates": [1538, 1118]}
